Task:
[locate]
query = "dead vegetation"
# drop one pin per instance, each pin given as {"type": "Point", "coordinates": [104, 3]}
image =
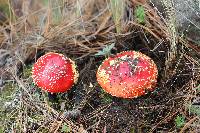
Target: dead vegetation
{"type": "Point", "coordinates": [79, 29]}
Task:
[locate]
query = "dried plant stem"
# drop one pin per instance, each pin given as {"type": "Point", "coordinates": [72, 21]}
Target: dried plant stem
{"type": "Point", "coordinates": [171, 27]}
{"type": "Point", "coordinates": [117, 10]}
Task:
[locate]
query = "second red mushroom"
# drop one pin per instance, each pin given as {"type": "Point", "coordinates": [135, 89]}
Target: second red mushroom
{"type": "Point", "coordinates": [128, 74]}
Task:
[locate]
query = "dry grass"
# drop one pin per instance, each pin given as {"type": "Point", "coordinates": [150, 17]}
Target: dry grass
{"type": "Point", "coordinates": [79, 29]}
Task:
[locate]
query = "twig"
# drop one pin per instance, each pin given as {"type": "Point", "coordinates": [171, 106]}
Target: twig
{"type": "Point", "coordinates": [188, 124]}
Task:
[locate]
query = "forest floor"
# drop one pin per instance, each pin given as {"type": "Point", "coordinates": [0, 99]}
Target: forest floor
{"type": "Point", "coordinates": [35, 28]}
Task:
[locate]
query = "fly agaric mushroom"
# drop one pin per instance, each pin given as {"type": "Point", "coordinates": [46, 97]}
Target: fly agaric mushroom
{"type": "Point", "coordinates": [54, 73]}
{"type": "Point", "coordinates": [128, 74]}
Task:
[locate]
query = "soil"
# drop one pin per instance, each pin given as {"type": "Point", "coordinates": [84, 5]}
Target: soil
{"type": "Point", "coordinates": [153, 112]}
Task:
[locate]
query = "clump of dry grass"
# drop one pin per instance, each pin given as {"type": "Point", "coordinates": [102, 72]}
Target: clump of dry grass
{"type": "Point", "coordinates": [80, 29]}
{"type": "Point", "coordinates": [117, 9]}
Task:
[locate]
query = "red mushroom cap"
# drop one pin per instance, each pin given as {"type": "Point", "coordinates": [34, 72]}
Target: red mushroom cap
{"type": "Point", "coordinates": [128, 74]}
{"type": "Point", "coordinates": [54, 73]}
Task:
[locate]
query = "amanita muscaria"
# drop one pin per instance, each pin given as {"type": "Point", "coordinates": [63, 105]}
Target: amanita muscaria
{"type": "Point", "coordinates": [128, 74]}
{"type": "Point", "coordinates": [54, 73]}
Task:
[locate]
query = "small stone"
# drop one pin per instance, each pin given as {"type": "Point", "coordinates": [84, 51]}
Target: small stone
{"type": "Point", "coordinates": [1, 82]}
{"type": "Point", "coordinates": [3, 56]}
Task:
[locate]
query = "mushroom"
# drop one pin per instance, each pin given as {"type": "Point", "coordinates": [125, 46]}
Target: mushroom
{"type": "Point", "coordinates": [128, 74]}
{"type": "Point", "coordinates": [54, 73]}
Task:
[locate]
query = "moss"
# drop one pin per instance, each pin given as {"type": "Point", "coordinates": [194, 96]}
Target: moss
{"type": "Point", "coordinates": [27, 72]}
{"type": "Point", "coordinates": [105, 97]}
{"type": "Point", "coordinates": [180, 121]}
{"type": "Point", "coordinates": [6, 93]}
{"type": "Point", "coordinates": [6, 96]}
